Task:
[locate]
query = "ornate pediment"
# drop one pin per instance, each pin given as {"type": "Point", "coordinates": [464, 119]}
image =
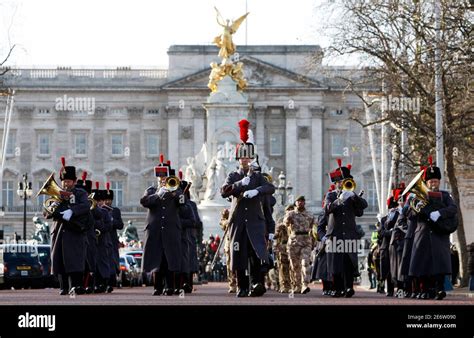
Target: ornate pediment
{"type": "Point", "coordinates": [9, 172]}
{"type": "Point", "coordinates": [259, 74]}
{"type": "Point", "coordinates": [42, 172]}
{"type": "Point", "coordinates": [116, 172]}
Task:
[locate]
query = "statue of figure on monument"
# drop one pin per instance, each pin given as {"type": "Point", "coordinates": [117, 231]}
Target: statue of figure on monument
{"type": "Point", "coordinates": [42, 233]}
{"type": "Point", "coordinates": [224, 41]}
{"type": "Point", "coordinates": [227, 48]}
{"type": "Point", "coordinates": [191, 175]}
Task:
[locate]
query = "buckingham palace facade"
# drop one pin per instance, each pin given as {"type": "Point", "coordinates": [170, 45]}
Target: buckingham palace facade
{"type": "Point", "coordinates": [114, 123]}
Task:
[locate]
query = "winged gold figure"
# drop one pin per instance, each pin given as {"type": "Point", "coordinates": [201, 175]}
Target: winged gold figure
{"type": "Point", "coordinates": [224, 41]}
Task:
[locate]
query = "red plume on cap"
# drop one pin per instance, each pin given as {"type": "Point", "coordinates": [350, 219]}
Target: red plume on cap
{"type": "Point", "coordinates": [430, 160]}
{"type": "Point", "coordinates": [162, 158]}
{"type": "Point", "coordinates": [180, 174]}
{"type": "Point", "coordinates": [396, 194]}
{"type": "Point", "coordinates": [339, 162]}
{"type": "Point", "coordinates": [168, 162]}
{"type": "Point", "coordinates": [332, 187]}
{"type": "Point", "coordinates": [349, 166]}
{"type": "Point", "coordinates": [63, 169]}
{"type": "Point", "coordinates": [97, 185]}
{"type": "Point", "coordinates": [84, 175]}
{"type": "Point", "coordinates": [107, 186]}
{"type": "Point", "coordinates": [244, 130]}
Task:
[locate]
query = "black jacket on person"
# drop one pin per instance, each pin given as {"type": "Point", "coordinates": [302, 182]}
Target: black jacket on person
{"type": "Point", "coordinates": [342, 226]}
{"type": "Point", "coordinates": [103, 223]}
{"type": "Point", "coordinates": [247, 218]}
{"type": "Point", "coordinates": [431, 253]}
{"type": "Point", "coordinates": [396, 244]}
{"type": "Point", "coordinates": [386, 230]}
{"type": "Point", "coordinates": [320, 264]}
{"type": "Point", "coordinates": [188, 223]}
{"type": "Point", "coordinates": [163, 229]}
{"type": "Point", "coordinates": [117, 224]}
{"type": "Point", "coordinates": [68, 241]}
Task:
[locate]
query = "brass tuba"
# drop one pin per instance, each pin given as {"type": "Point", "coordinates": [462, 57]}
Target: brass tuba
{"type": "Point", "coordinates": [52, 189]}
{"type": "Point", "coordinates": [172, 183]}
{"type": "Point", "coordinates": [420, 190]}
{"type": "Point", "coordinates": [268, 178]}
{"type": "Point", "coordinates": [349, 184]}
{"type": "Point", "coordinates": [92, 201]}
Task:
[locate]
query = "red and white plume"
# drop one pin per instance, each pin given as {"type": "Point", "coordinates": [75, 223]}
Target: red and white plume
{"type": "Point", "coordinates": [250, 138]}
{"type": "Point", "coordinates": [63, 164]}
{"type": "Point", "coordinates": [244, 130]}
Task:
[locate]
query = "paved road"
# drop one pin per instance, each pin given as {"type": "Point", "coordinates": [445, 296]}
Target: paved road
{"type": "Point", "coordinates": [213, 294]}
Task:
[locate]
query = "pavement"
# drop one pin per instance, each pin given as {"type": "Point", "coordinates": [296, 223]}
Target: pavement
{"type": "Point", "coordinates": [216, 294]}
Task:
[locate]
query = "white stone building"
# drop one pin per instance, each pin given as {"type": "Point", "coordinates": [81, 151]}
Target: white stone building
{"type": "Point", "coordinates": [299, 115]}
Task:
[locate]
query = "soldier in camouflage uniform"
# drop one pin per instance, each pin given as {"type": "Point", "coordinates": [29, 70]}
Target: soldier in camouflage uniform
{"type": "Point", "coordinates": [230, 275]}
{"type": "Point", "coordinates": [300, 223]}
{"type": "Point", "coordinates": [281, 241]}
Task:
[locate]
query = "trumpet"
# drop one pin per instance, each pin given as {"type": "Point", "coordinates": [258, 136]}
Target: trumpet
{"type": "Point", "coordinates": [172, 183]}
{"type": "Point", "coordinates": [52, 189]}
{"type": "Point", "coordinates": [349, 184]}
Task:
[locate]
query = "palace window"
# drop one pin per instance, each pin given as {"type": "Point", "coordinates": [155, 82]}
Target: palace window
{"type": "Point", "coordinates": [276, 144]}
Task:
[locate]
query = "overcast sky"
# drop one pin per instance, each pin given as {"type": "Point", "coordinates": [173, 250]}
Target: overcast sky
{"type": "Point", "coordinates": [138, 33]}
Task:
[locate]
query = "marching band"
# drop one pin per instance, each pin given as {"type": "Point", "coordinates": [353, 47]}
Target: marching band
{"type": "Point", "coordinates": [410, 251]}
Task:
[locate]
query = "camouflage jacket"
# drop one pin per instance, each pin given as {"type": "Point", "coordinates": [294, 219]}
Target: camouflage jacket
{"type": "Point", "coordinates": [299, 222]}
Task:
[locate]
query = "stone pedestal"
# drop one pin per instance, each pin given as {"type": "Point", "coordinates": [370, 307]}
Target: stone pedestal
{"type": "Point", "coordinates": [210, 213]}
{"type": "Point", "coordinates": [224, 109]}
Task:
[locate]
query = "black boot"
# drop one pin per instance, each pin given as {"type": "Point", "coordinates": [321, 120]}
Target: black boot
{"type": "Point", "coordinates": [63, 285]}
{"type": "Point", "coordinates": [257, 290]}
{"type": "Point", "coordinates": [349, 293]}
{"type": "Point", "coordinates": [158, 283]}
{"type": "Point", "coordinates": [242, 284]}
{"type": "Point", "coordinates": [75, 279]}
{"type": "Point", "coordinates": [90, 284]}
{"type": "Point", "coordinates": [440, 295]}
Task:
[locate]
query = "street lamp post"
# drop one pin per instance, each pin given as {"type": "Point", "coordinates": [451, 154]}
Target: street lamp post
{"type": "Point", "coordinates": [25, 192]}
{"type": "Point", "coordinates": [284, 188]}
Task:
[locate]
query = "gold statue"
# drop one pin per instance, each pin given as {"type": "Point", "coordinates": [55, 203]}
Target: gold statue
{"type": "Point", "coordinates": [224, 41]}
{"type": "Point", "coordinates": [227, 49]}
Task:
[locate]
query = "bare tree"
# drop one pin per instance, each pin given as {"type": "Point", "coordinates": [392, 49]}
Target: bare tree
{"type": "Point", "coordinates": [397, 39]}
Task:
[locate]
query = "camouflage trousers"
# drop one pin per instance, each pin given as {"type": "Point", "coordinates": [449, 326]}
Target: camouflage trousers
{"type": "Point", "coordinates": [231, 278]}
{"type": "Point", "coordinates": [299, 252]}
{"type": "Point", "coordinates": [271, 279]}
{"type": "Point", "coordinates": [284, 272]}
